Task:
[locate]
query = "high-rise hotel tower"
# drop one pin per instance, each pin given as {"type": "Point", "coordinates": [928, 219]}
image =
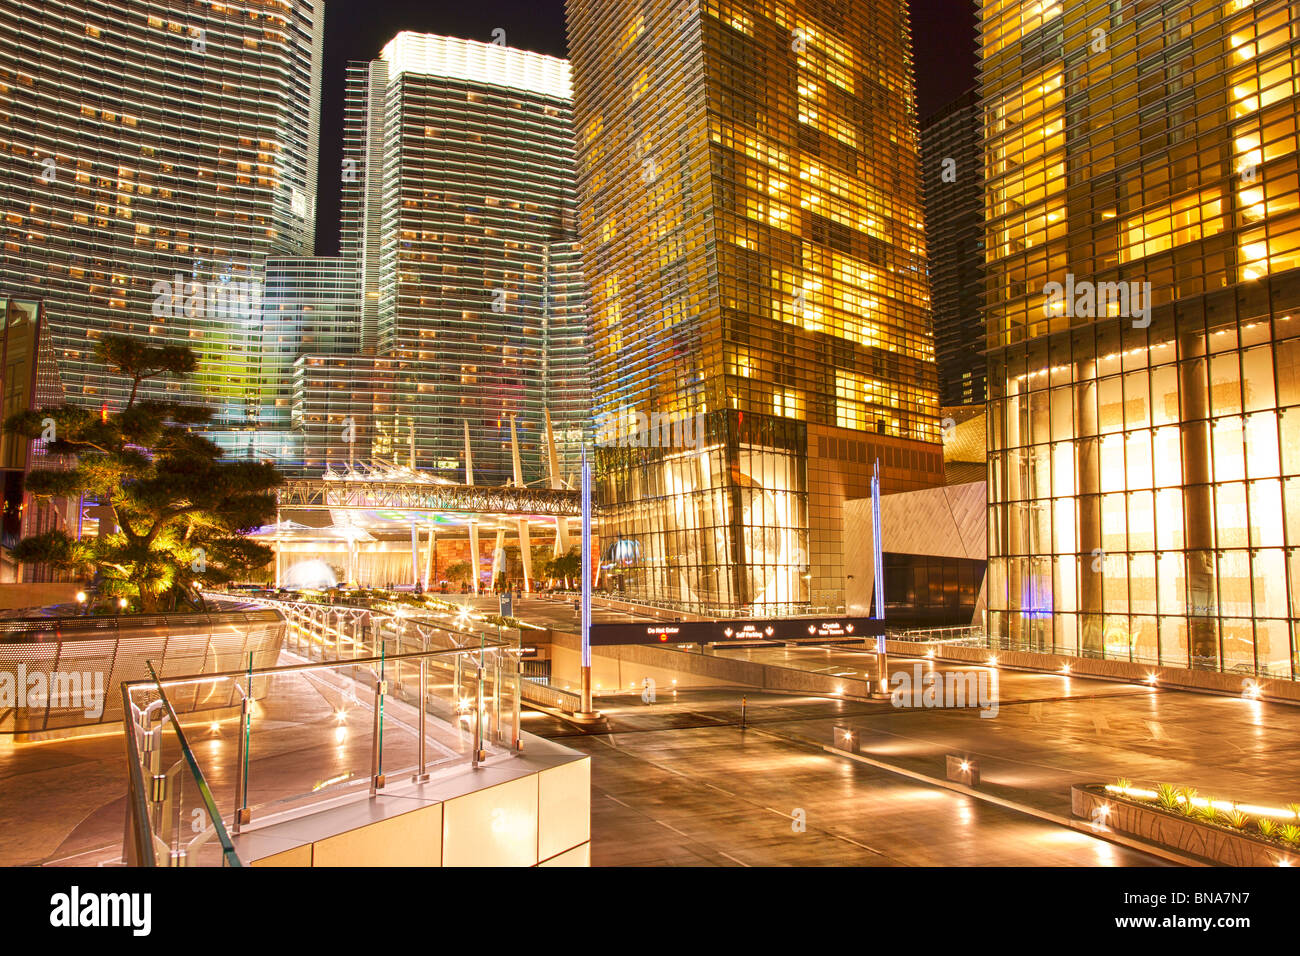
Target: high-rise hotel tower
{"type": "Point", "coordinates": [1143, 313]}
{"type": "Point", "coordinates": [458, 208]}
{"type": "Point", "coordinates": [750, 214]}
{"type": "Point", "coordinates": [153, 155]}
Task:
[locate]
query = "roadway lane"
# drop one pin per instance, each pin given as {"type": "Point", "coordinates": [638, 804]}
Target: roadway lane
{"type": "Point", "coordinates": [680, 783]}
{"type": "Point", "coordinates": [1050, 731]}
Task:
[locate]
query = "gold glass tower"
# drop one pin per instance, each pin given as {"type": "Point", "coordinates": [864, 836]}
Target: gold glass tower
{"type": "Point", "coordinates": [1143, 239]}
{"type": "Point", "coordinates": [750, 214]}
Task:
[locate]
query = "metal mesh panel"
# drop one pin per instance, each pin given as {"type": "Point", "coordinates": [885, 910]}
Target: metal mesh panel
{"type": "Point", "coordinates": [65, 652]}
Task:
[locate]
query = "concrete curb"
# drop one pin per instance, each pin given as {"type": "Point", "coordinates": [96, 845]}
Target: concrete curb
{"type": "Point", "coordinates": [1068, 822]}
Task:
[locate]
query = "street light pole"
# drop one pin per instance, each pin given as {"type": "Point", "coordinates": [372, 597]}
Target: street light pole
{"type": "Point", "coordinates": [588, 713]}
{"type": "Point", "coordinates": [882, 654]}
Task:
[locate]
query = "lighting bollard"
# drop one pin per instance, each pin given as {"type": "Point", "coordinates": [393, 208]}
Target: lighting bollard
{"type": "Point", "coordinates": [963, 770]}
{"type": "Point", "coordinates": [845, 739]}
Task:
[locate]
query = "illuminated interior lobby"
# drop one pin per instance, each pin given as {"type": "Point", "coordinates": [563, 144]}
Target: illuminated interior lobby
{"type": "Point", "coordinates": [1144, 466]}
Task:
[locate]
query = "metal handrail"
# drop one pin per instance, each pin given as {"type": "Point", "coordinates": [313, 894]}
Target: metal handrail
{"type": "Point", "coordinates": [227, 847]}
{"type": "Point", "coordinates": [325, 665]}
{"type": "Point", "coordinates": [140, 832]}
{"type": "Point", "coordinates": [548, 696]}
{"type": "Point", "coordinates": [971, 632]}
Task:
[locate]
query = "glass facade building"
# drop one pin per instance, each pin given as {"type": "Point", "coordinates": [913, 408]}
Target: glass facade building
{"type": "Point", "coordinates": [309, 304]}
{"type": "Point", "coordinates": [750, 215]}
{"type": "Point", "coordinates": [459, 208]}
{"type": "Point", "coordinates": [155, 154]}
{"type": "Point", "coordinates": [1143, 312]}
{"type": "Point", "coordinates": [29, 378]}
{"type": "Point", "coordinates": [953, 165]}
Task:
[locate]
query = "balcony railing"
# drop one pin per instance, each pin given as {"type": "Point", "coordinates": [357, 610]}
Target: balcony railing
{"type": "Point", "coordinates": [380, 697]}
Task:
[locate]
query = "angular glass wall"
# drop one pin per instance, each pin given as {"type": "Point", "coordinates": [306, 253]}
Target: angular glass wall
{"type": "Point", "coordinates": [750, 214]}
{"type": "Point", "coordinates": [713, 527]}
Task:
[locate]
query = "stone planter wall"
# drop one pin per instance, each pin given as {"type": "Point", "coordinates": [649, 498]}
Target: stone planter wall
{"type": "Point", "coordinates": [1179, 833]}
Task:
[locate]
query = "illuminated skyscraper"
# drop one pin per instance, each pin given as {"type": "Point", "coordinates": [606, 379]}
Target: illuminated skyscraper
{"type": "Point", "coordinates": [750, 214]}
{"type": "Point", "coordinates": [951, 149]}
{"type": "Point", "coordinates": [458, 205]}
{"type": "Point", "coordinates": [155, 154]}
{"type": "Point", "coordinates": [310, 304]}
{"type": "Point", "coordinates": [1143, 313]}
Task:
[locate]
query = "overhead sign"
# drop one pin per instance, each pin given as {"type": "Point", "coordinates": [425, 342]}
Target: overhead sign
{"type": "Point", "coordinates": [730, 632]}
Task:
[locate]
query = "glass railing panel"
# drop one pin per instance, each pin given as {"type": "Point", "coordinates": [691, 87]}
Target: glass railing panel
{"type": "Point", "coordinates": [173, 819]}
{"type": "Point", "coordinates": [262, 745]}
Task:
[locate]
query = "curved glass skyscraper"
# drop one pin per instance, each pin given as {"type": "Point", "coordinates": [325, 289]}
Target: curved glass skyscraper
{"type": "Point", "coordinates": [152, 155]}
{"type": "Point", "coordinates": [458, 204]}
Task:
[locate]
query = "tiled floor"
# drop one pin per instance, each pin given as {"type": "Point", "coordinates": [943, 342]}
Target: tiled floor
{"type": "Point", "coordinates": [678, 781]}
{"type": "Point", "coordinates": [722, 796]}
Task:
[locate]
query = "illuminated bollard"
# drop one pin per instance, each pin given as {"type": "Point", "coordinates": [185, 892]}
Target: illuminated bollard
{"type": "Point", "coordinates": [845, 739]}
{"type": "Point", "coordinates": [964, 770]}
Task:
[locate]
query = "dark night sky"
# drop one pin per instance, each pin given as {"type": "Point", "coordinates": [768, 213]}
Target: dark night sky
{"type": "Point", "coordinates": [943, 32]}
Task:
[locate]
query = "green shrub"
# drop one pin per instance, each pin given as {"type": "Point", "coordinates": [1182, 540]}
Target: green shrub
{"type": "Point", "coordinates": [1295, 809]}
{"type": "Point", "coordinates": [1209, 813]}
{"type": "Point", "coordinates": [1124, 783]}
{"type": "Point", "coordinates": [1167, 796]}
{"type": "Point", "coordinates": [1236, 819]}
{"type": "Point", "coordinates": [1266, 827]}
{"type": "Point", "coordinates": [1188, 794]}
{"type": "Point", "coordinates": [1289, 834]}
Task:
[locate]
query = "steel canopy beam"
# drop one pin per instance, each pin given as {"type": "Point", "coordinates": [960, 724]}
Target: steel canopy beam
{"type": "Point", "coordinates": [306, 494]}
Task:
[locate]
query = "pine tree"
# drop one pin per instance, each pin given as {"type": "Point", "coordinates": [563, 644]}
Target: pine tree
{"type": "Point", "coordinates": [182, 514]}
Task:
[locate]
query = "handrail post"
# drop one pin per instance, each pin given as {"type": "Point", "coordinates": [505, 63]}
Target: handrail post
{"type": "Point", "coordinates": [376, 741]}
{"type": "Point", "coordinates": [242, 814]}
{"type": "Point", "coordinates": [422, 775]}
{"type": "Point", "coordinates": [137, 846]}
{"type": "Point", "coordinates": [519, 690]}
{"type": "Point", "coordinates": [479, 755]}
{"type": "Point", "coordinates": [496, 699]}
{"type": "Point", "coordinates": [229, 855]}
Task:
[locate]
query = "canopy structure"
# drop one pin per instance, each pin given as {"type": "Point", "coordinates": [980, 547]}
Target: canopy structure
{"type": "Point", "coordinates": [368, 516]}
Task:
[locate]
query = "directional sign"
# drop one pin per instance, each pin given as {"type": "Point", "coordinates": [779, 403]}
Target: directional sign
{"type": "Point", "coordinates": [727, 632]}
